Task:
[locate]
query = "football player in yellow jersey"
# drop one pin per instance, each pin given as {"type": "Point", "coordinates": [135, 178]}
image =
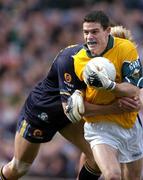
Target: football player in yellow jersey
{"type": "Point", "coordinates": [121, 32]}
{"type": "Point", "coordinates": [116, 140]}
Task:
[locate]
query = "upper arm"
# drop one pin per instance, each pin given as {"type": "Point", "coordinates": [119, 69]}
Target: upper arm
{"type": "Point", "coordinates": [132, 72]}
{"type": "Point", "coordinates": [131, 69]}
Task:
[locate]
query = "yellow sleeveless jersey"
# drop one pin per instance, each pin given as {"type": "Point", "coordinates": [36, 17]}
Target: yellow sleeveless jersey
{"type": "Point", "coordinates": [118, 50]}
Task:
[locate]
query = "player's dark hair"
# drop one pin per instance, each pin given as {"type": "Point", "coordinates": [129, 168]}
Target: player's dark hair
{"type": "Point", "coordinates": [99, 17]}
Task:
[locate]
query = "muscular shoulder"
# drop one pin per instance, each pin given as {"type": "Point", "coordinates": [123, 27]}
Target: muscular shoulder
{"type": "Point", "coordinates": [64, 57]}
{"type": "Point", "coordinates": [124, 43]}
{"type": "Point", "coordinates": [125, 48]}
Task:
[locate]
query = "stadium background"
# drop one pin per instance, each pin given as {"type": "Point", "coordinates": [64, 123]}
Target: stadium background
{"type": "Point", "coordinates": [31, 34]}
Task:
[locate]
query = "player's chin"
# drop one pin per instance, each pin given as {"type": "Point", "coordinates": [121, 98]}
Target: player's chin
{"type": "Point", "coordinates": [92, 48]}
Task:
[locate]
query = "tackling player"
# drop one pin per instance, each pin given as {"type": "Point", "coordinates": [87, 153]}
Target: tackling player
{"type": "Point", "coordinates": [42, 116]}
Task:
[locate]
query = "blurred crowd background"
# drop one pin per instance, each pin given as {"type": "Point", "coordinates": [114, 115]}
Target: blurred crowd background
{"type": "Point", "coordinates": [32, 32]}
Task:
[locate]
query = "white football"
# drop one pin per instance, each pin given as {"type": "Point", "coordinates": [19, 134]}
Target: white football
{"type": "Point", "coordinates": [98, 64]}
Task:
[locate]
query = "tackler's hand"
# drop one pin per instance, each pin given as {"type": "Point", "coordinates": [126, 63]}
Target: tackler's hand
{"type": "Point", "coordinates": [75, 107]}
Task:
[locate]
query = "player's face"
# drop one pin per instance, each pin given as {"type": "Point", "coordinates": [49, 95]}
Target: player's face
{"type": "Point", "coordinates": [95, 37]}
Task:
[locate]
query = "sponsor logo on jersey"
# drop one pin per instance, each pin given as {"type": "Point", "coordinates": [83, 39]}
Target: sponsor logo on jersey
{"type": "Point", "coordinates": [37, 133]}
{"type": "Point", "coordinates": [67, 77]}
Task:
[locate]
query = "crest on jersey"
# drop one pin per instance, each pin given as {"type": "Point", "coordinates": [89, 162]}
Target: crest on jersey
{"type": "Point", "coordinates": [67, 77]}
{"type": "Point", "coordinates": [43, 116]}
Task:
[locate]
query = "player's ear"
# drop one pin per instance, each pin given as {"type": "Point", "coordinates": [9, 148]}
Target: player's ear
{"type": "Point", "coordinates": [108, 30]}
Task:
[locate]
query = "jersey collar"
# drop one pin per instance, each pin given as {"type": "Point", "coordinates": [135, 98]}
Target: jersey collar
{"type": "Point", "coordinates": [109, 46]}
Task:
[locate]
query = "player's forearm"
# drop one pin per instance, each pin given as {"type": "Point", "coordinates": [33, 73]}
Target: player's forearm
{"type": "Point", "coordinates": [119, 106]}
{"type": "Point", "coordinates": [126, 89]}
{"type": "Point", "coordinates": [94, 110]}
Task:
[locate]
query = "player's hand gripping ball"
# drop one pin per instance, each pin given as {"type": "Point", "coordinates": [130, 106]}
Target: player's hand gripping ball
{"type": "Point", "coordinates": [100, 73]}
